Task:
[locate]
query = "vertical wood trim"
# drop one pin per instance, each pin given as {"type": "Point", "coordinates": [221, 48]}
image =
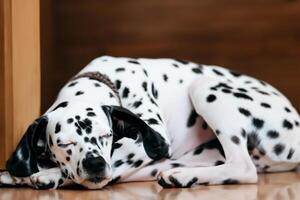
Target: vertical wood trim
{"type": "Point", "coordinates": [20, 70]}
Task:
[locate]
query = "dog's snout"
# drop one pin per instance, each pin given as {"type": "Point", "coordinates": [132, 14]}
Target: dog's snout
{"type": "Point", "coordinates": [94, 165]}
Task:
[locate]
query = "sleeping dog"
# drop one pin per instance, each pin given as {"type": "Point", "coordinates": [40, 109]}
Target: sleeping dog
{"type": "Point", "coordinates": [178, 122]}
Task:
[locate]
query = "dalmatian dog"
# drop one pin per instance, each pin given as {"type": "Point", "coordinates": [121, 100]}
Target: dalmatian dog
{"type": "Point", "coordinates": [178, 122]}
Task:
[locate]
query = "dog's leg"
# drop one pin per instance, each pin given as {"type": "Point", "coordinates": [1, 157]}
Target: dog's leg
{"type": "Point", "coordinates": [48, 178]}
{"type": "Point", "coordinates": [204, 155]}
{"type": "Point", "coordinates": [44, 179]}
{"type": "Point", "coordinates": [222, 115]}
{"type": "Point", "coordinates": [7, 180]}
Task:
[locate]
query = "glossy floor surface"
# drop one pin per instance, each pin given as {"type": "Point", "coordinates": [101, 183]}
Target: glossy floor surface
{"type": "Point", "coordinates": [281, 186]}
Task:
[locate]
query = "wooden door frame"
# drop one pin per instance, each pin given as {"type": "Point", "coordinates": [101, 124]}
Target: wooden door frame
{"type": "Point", "coordinates": [19, 70]}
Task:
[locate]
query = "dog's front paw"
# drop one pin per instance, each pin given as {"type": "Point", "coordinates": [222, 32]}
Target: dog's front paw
{"type": "Point", "coordinates": [6, 178]}
{"type": "Point", "coordinates": [173, 179]}
{"type": "Point", "coordinates": [46, 179]}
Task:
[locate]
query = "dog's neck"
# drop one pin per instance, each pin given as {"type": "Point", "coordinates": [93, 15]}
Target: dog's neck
{"type": "Point", "coordinates": [102, 78]}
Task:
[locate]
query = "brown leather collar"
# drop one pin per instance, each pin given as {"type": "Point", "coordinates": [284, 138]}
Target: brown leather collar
{"type": "Point", "coordinates": [101, 78]}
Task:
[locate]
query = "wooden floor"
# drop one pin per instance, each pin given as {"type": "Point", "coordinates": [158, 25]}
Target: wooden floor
{"type": "Point", "coordinates": [282, 186]}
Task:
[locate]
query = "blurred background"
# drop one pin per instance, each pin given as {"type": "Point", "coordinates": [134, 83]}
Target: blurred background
{"type": "Point", "coordinates": [257, 37]}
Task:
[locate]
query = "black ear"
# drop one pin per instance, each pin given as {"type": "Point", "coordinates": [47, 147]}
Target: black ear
{"type": "Point", "coordinates": [127, 124]}
{"type": "Point", "coordinates": [31, 148]}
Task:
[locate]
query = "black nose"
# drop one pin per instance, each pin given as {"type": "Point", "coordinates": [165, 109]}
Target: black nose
{"type": "Point", "coordinates": [94, 165]}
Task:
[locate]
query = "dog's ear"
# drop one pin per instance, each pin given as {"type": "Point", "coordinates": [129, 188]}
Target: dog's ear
{"type": "Point", "coordinates": [127, 124]}
{"type": "Point", "coordinates": [31, 148]}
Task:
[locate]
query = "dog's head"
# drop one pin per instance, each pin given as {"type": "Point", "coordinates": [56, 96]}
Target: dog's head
{"type": "Point", "coordinates": [78, 139]}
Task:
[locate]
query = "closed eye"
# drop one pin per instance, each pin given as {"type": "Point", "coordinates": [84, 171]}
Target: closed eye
{"type": "Point", "coordinates": [66, 145]}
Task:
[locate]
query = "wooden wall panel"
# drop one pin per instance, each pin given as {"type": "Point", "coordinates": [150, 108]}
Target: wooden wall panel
{"type": "Point", "coordinates": [19, 71]}
{"type": "Point", "coordinates": [260, 38]}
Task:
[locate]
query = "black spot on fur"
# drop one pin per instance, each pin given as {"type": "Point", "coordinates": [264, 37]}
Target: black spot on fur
{"type": "Point", "coordinates": [219, 162]}
{"type": "Point", "coordinates": [278, 149]}
{"type": "Point", "coordinates": [152, 121]}
{"type": "Point", "coordinates": [242, 90]}
{"type": "Point", "coordinates": [134, 62]}
{"type": "Point", "coordinates": [227, 91]}
{"type": "Point", "coordinates": [163, 183]}
{"type": "Point", "coordinates": [175, 182]}
{"type": "Point", "coordinates": [265, 105]}
{"type": "Point", "coordinates": [263, 83]}
{"type": "Point", "coordinates": [197, 70]}
{"type": "Point", "coordinates": [61, 105]}
{"type": "Point", "coordinates": [116, 145]}
{"type": "Point", "coordinates": [165, 77]}
{"type": "Point", "coordinates": [287, 109]}
{"type": "Point", "coordinates": [70, 120]}
{"type": "Point", "coordinates": [218, 72]}
{"type": "Point", "coordinates": [296, 123]}
{"type": "Point", "coordinates": [290, 154]}
{"type": "Point", "coordinates": [89, 109]}
{"type": "Point", "coordinates": [118, 84]}
{"type": "Point", "coordinates": [287, 124]}
{"type": "Point", "coordinates": [72, 84]}
{"type": "Point", "coordinates": [97, 85]}
{"type": "Point", "coordinates": [79, 93]}
{"type": "Point", "coordinates": [258, 123]}
{"type": "Point", "coordinates": [144, 85]}
{"type": "Point", "coordinates": [125, 92]}
{"type": "Point", "coordinates": [175, 65]}
{"type": "Point", "coordinates": [213, 144]}
{"type": "Point", "coordinates": [175, 165]}
{"type": "Point", "coordinates": [273, 134]}
{"type": "Point", "coordinates": [235, 139]}
{"type": "Point", "coordinates": [118, 163]}
{"type": "Point", "coordinates": [131, 155]}
{"type": "Point", "coordinates": [120, 69]}
{"type": "Point", "coordinates": [192, 118]}
{"type": "Point", "coordinates": [262, 92]}
{"type": "Point", "coordinates": [86, 139]}
{"type": "Point", "coordinates": [69, 152]}
{"type": "Point", "coordinates": [253, 141]}
{"type": "Point", "coordinates": [211, 98]}
{"type": "Point", "coordinates": [230, 181]}
{"type": "Point", "coordinates": [137, 104]}
{"type": "Point", "coordinates": [235, 74]}
{"type": "Point", "coordinates": [192, 182]}
{"type": "Point", "coordinates": [78, 131]}
{"type": "Point", "coordinates": [245, 112]}
{"type": "Point", "coordinates": [159, 117]}
{"type": "Point", "coordinates": [154, 172]}
{"type": "Point", "coordinates": [138, 163]}
{"type": "Point", "coordinates": [57, 128]}
{"type": "Point", "coordinates": [184, 62]}
{"type": "Point", "coordinates": [242, 96]}
{"type": "Point", "coordinates": [91, 114]}
{"type": "Point", "coordinates": [145, 72]}
{"type": "Point", "coordinates": [243, 133]}
{"type": "Point", "coordinates": [154, 91]}
{"type": "Point", "coordinates": [93, 141]}
{"type": "Point", "coordinates": [68, 158]}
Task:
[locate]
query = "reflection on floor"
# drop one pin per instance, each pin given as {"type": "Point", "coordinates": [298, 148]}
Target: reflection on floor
{"type": "Point", "coordinates": [282, 186]}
